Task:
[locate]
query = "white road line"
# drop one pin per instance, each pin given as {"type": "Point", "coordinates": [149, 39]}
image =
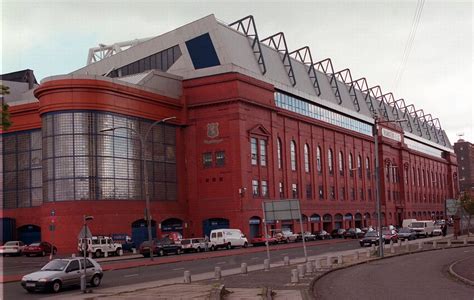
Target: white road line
{"type": "Point", "coordinates": [130, 275]}
{"type": "Point", "coordinates": [221, 263]}
{"type": "Point", "coordinates": [284, 254]}
{"type": "Point", "coordinates": [177, 269]}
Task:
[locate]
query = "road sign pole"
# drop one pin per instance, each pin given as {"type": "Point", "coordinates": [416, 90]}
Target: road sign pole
{"type": "Point", "coordinates": [266, 231]}
{"type": "Point", "coordinates": [302, 235]}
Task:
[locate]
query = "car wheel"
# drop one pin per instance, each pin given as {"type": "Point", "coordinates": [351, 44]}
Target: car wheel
{"type": "Point", "coordinates": [178, 251]}
{"type": "Point", "coordinates": [30, 290]}
{"type": "Point", "coordinates": [213, 248]}
{"type": "Point", "coordinates": [161, 252]}
{"type": "Point", "coordinates": [98, 253]}
{"type": "Point", "coordinates": [56, 287]}
{"type": "Point", "coordinates": [229, 246]}
{"type": "Point", "coordinates": [198, 249]}
{"type": "Point", "coordinates": [95, 281]}
{"type": "Point", "coordinates": [117, 252]}
{"type": "Point", "coordinates": [246, 245]}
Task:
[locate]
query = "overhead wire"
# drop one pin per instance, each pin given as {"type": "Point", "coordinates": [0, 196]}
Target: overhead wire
{"type": "Point", "coordinates": [410, 42]}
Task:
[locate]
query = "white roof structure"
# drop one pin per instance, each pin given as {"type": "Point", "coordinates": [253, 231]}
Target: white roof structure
{"type": "Point", "coordinates": [186, 52]}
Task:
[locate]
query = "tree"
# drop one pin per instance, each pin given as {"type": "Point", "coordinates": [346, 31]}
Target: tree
{"type": "Point", "coordinates": [467, 203]}
{"type": "Point", "coordinates": [6, 123]}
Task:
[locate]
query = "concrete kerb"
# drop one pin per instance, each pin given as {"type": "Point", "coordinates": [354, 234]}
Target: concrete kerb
{"type": "Point", "coordinates": [456, 275]}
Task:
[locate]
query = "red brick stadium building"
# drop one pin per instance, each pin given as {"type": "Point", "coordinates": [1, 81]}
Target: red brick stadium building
{"type": "Point", "coordinates": [254, 121]}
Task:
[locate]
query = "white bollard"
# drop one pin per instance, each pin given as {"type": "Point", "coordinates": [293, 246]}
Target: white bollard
{"type": "Point", "coordinates": [243, 268]}
{"type": "Point", "coordinates": [420, 246]}
{"type": "Point", "coordinates": [339, 260]}
{"type": "Point", "coordinates": [187, 276]}
{"type": "Point", "coordinates": [217, 273]}
{"type": "Point", "coordinates": [266, 264]}
{"type": "Point", "coordinates": [301, 270]}
{"type": "Point", "coordinates": [90, 255]}
{"type": "Point", "coordinates": [120, 252]}
{"type": "Point", "coordinates": [318, 264]}
{"type": "Point", "coordinates": [367, 253]}
{"type": "Point", "coordinates": [286, 261]}
{"type": "Point", "coordinates": [294, 276]}
{"type": "Point", "coordinates": [449, 243]}
{"type": "Point", "coordinates": [309, 268]}
{"type": "Point", "coordinates": [357, 255]}
{"type": "Point", "coordinates": [435, 244]}
{"type": "Point", "coordinates": [329, 261]}
{"type": "Point", "coordinates": [106, 254]}
{"type": "Point", "coordinates": [392, 248]}
{"type": "Point", "coordinates": [464, 241]}
{"type": "Point", "coordinates": [134, 251]}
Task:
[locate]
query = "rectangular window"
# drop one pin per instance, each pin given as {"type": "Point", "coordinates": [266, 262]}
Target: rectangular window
{"type": "Point", "coordinates": [207, 159]}
{"type": "Point", "coordinates": [220, 158]}
{"type": "Point", "coordinates": [263, 152]}
{"type": "Point", "coordinates": [253, 150]}
{"type": "Point", "coordinates": [294, 190]}
{"type": "Point", "coordinates": [333, 193]}
{"type": "Point", "coordinates": [309, 191]}
{"type": "Point", "coordinates": [255, 191]}
{"type": "Point", "coordinates": [321, 192]}
{"type": "Point", "coordinates": [264, 188]}
{"type": "Point", "coordinates": [280, 189]}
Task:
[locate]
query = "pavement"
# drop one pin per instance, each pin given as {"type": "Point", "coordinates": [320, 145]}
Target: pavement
{"type": "Point", "coordinates": [258, 282]}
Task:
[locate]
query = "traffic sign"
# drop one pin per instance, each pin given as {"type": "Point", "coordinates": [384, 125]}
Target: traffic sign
{"type": "Point", "coordinates": [84, 233]}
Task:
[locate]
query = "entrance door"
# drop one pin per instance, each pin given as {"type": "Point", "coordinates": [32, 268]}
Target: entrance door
{"type": "Point", "coordinates": [140, 231]}
{"type": "Point", "coordinates": [215, 223]}
{"type": "Point", "coordinates": [29, 234]}
{"type": "Point", "coordinates": [254, 225]}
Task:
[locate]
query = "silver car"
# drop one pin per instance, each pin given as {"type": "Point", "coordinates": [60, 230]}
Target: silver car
{"type": "Point", "coordinates": [60, 273]}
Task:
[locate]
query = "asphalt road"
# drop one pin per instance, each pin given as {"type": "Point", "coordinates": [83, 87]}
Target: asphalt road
{"type": "Point", "coordinates": [171, 270]}
{"type": "Point", "coordinates": [418, 276]}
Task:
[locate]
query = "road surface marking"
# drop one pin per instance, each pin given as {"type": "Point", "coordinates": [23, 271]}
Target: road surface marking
{"type": "Point", "coordinates": [221, 263]}
{"type": "Point", "coordinates": [130, 275]}
{"type": "Point", "coordinates": [177, 269]}
{"type": "Point", "coordinates": [284, 254]}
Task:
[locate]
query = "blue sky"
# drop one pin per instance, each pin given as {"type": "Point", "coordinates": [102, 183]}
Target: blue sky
{"type": "Point", "coordinates": [369, 37]}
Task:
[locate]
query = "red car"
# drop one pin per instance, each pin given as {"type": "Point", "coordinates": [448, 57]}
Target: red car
{"type": "Point", "coordinates": [390, 235]}
{"type": "Point", "coordinates": [39, 248]}
{"type": "Point", "coordinates": [260, 240]}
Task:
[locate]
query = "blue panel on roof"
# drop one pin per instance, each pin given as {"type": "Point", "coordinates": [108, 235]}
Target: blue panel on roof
{"type": "Point", "coordinates": [202, 52]}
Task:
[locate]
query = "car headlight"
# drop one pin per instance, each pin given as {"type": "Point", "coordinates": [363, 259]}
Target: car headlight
{"type": "Point", "coordinates": [42, 280]}
{"type": "Point", "coordinates": [24, 278]}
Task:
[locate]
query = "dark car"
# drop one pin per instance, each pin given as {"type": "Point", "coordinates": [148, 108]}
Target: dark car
{"type": "Point", "coordinates": [370, 238]}
{"type": "Point", "coordinates": [160, 247]}
{"type": "Point", "coordinates": [406, 234]}
{"type": "Point", "coordinates": [338, 233]}
{"type": "Point", "coordinates": [260, 240]}
{"type": "Point", "coordinates": [353, 233]}
{"type": "Point", "coordinates": [39, 248]}
{"type": "Point", "coordinates": [323, 235]}
{"type": "Point", "coordinates": [125, 240]}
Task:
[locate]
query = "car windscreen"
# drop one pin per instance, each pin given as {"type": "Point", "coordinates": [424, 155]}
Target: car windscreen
{"type": "Point", "coordinates": [10, 243]}
{"type": "Point", "coordinates": [185, 242]}
{"type": "Point", "coordinates": [405, 230]}
{"type": "Point", "coordinates": [417, 225]}
{"type": "Point", "coordinates": [55, 265]}
{"type": "Point", "coordinates": [371, 234]}
{"type": "Point", "coordinates": [35, 244]}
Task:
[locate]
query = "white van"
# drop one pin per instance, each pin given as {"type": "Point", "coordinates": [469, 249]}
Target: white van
{"type": "Point", "coordinates": [423, 228]}
{"type": "Point", "coordinates": [227, 238]}
{"type": "Point", "coordinates": [407, 222]}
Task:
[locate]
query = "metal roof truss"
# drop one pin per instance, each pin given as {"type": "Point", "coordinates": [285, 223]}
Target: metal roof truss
{"type": "Point", "coordinates": [278, 42]}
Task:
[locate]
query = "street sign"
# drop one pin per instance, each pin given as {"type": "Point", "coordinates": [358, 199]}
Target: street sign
{"type": "Point", "coordinates": [452, 206]}
{"type": "Point", "coordinates": [282, 210]}
{"type": "Point", "coordinates": [84, 233]}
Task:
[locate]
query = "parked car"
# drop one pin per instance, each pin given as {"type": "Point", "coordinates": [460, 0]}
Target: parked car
{"type": "Point", "coordinates": [99, 245]}
{"type": "Point", "coordinates": [284, 236]}
{"type": "Point", "coordinates": [390, 235]}
{"type": "Point", "coordinates": [260, 240]}
{"type": "Point", "coordinates": [161, 247]}
{"type": "Point", "coordinates": [323, 235]}
{"type": "Point", "coordinates": [227, 238]}
{"type": "Point", "coordinates": [437, 230]}
{"type": "Point", "coordinates": [193, 245]}
{"type": "Point", "coordinates": [60, 273]}
{"type": "Point", "coordinates": [12, 248]}
{"type": "Point", "coordinates": [40, 248]}
{"type": "Point", "coordinates": [126, 241]}
{"type": "Point", "coordinates": [338, 233]}
{"type": "Point", "coordinates": [371, 237]}
{"type": "Point", "coordinates": [353, 233]}
{"type": "Point", "coordinates": [308, 236]}
{"type": "Point", "coordinates": [406, 233]}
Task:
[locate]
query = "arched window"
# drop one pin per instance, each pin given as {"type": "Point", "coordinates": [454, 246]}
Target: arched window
{"type": "Point", "coordinates": [341, 163]}
{"type": "Point", "coordinates": [293, 155]}
{"type": "Point", "coordinates": [351, 165]}
{"type": "Point", "coordinates": [306, 158]}
{"type": "Point", "coordinates": [318, 159]}
{"type": "Point", "coordinates": [359, 166]}
{"type": "Point", "coordinates": [280, 159]}
{"type": "Point", "coordinates": [367, 167]}
{"type": "Point", "coordinates": [330, 161]}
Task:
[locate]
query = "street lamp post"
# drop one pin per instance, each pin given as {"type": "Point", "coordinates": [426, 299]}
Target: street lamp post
{"type": "Point", "coordinates": [377, 178]}
{"type": "Point", "coordinates": [143, 140]}
{"type": "Point", "coordinates": [84, 246]}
